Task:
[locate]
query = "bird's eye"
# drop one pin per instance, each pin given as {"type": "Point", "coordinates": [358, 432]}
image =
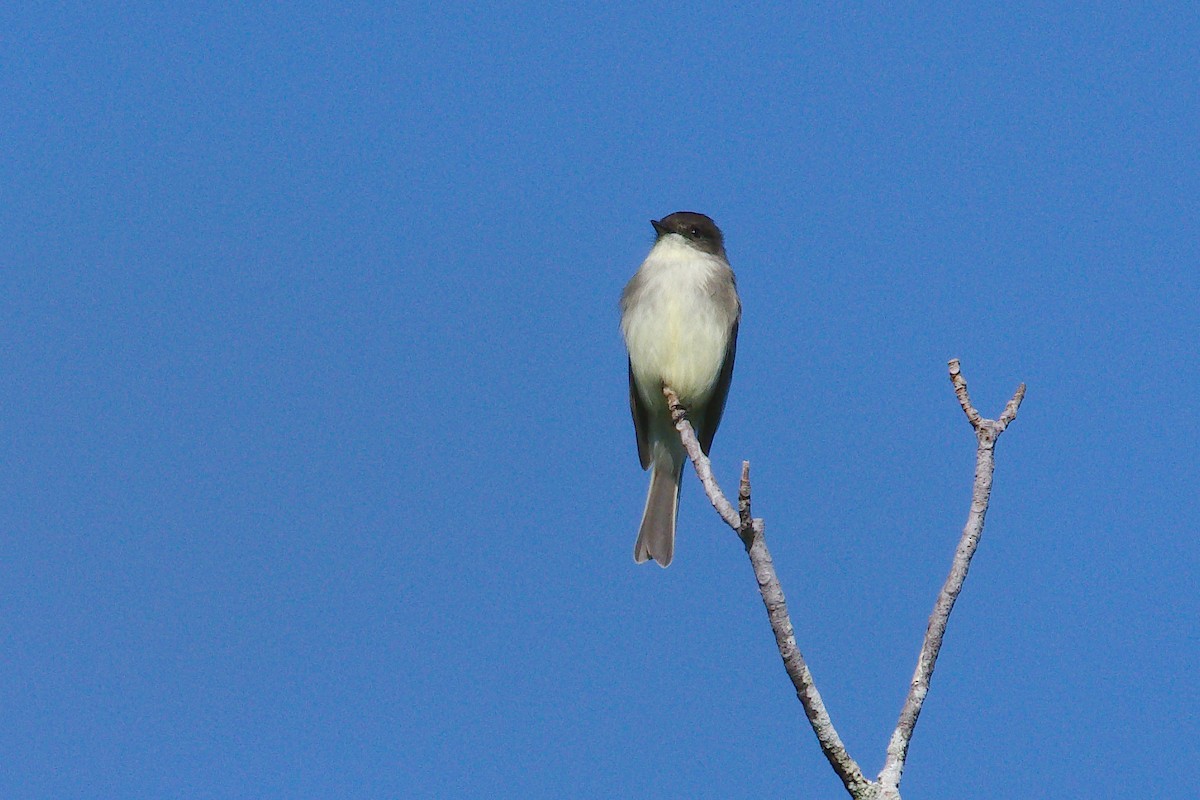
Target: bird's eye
{"type": "Point", "coordinates": [695, 231]}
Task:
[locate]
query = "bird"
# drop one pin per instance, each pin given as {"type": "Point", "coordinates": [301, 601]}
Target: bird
{"type": "Point", "coordinates": [679, 318]}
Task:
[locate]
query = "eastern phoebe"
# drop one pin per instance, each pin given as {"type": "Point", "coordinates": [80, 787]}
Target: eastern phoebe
{"type": "Point", "coordinates": [679, 317]}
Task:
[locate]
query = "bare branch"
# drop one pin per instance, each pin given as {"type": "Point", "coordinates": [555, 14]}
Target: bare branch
{"type": "Point", "coordinates": [699, 460]}
{"type": "Point", "coordinates": [960, 390]}
{"type": "Point", "coordinates": [987, 431]}
{"type": "Point", "coordinates": [751, 532]}
{"type": "Point", "coordinates": [1010, 410]}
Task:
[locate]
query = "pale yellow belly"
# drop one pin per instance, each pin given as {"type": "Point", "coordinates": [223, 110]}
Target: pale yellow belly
{"type": "Point", "coordinates": [680, 342]}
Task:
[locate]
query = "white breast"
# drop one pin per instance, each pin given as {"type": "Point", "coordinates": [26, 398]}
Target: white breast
{"type": "Point", "coordinates": [676, 332]}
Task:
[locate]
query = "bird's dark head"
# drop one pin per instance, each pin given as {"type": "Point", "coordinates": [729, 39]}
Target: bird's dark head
{"type": "Point", "coordinates": [700, 231]}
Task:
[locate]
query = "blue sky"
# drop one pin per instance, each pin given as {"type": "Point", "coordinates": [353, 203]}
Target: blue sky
{"type": "Point", "coordinates": [320, 479]}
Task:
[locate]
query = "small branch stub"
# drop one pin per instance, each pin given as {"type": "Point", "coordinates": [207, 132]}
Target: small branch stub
{"type": "Point", "coordinates": [745, 519]}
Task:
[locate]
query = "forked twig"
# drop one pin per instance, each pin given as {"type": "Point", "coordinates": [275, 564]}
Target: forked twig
{"type": "Point", "coordinates": [751, 532]}
{"type": "Point", "coordinates": [986, 431]}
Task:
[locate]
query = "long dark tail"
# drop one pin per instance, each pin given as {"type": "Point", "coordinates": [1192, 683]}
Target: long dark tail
{"type": "Point", "coordinates": [656, 537]}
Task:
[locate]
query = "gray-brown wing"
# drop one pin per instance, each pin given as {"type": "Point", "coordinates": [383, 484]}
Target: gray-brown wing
{"type": "Point", "coordinates": [716, 406]}
{"type": "Point", "coordinates": [641, 421]}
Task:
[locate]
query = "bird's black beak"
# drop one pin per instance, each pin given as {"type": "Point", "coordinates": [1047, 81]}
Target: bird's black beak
{"type": "Point", "coordinates": [658, 227]}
